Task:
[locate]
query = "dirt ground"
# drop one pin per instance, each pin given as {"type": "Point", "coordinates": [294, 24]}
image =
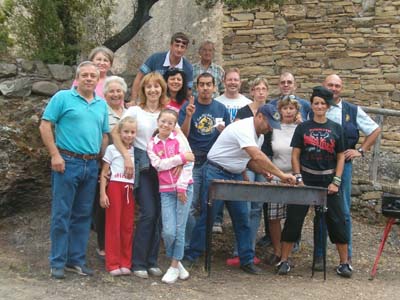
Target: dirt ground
{"type": "Point", "coordinates": [24, 270]}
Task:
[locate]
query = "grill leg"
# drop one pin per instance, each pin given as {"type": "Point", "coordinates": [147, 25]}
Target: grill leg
{"type": "Point", "coordinates": [386, 232]}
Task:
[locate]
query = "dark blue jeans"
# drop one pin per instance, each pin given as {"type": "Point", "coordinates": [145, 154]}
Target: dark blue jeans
{"type": "Point", "coordinates": [71, 212]}
{"type": "Point", "coordinates": [239, 212]}
{"type": "Point", "coordinates": [148, 227]}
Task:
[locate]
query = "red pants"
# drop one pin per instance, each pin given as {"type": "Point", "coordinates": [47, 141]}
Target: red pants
{"type": "Point", "coordinates": [119, 225]}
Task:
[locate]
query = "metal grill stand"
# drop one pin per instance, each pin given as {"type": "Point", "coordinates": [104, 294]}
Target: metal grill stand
{"type": "Point", "coordinates": [231, 190]}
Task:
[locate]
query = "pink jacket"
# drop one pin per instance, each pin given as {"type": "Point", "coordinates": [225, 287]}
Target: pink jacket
{"type": "Point", "coordinates": [164, 157]}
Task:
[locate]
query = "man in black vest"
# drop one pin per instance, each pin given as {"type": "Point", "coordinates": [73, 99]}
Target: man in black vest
{"type": "Point", "coordinates": [352, 118]}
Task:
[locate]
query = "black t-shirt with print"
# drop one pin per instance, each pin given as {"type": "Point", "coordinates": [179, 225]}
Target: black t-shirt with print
{"type": "Point", "coordinates": [319, 144]}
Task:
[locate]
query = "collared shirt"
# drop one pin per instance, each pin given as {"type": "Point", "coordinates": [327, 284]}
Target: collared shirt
{"type": "Point", "coordinates": [79, 124]}
{"type": "Point", "coordinates": [216, 71]}
{"type": "Point", "coordinates": [364, 122]}
{"type": "Point", "coordinates": [113, 118]}
{"type": "Point", "coordinates": [156, 61]}
{"type": "Point", "coordinates": [167, 62]}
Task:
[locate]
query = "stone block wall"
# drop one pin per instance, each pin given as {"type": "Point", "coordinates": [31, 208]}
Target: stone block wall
{"type": "Point", "coordinates": [357, 39]}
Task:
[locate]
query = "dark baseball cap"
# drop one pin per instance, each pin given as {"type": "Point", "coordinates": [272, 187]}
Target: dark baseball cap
{"type": "Point", "coordinates": [324, 93]}
{"type": "Point", "coordinates": [272, 115]}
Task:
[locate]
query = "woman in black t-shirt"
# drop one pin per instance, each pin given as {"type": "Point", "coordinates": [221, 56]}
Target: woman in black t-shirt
{"type": "Point", "coordinates": [317, 160]}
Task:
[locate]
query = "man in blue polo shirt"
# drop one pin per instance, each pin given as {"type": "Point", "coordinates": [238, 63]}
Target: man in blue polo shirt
{"type": "Point", "coordinates": [162, 61]}
{"type": "Point", "coordinates": [80, 119]}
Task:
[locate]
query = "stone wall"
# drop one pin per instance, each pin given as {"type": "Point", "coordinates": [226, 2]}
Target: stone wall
{"type": "Point", "coordinates": [357, 39]}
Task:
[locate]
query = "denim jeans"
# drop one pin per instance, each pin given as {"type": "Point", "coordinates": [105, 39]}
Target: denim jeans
{"type": "Point", "coordinates": [71, 213]}
{"type": "Point", "coordinates": [174, 217]}
{"type": "Point", "coordinates": [255, 209]}
{"type": "Point", "coordinates": [345, 190]}
{"type": "Point", "coordinates": [195, 207]}
{"type": "Point", "coordinates": [238, 211]}
{"type": "Point", "coordinates": [146, 242]}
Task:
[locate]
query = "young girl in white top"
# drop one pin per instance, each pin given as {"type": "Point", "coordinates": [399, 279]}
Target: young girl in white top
{"type": "Point", "coordinates": [117, 198]}
{"type": "Point", "coordinates": [168, 150]}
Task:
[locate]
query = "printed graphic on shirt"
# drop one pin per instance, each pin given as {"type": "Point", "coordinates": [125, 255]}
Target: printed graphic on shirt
{"type": "Point", "coordinates": [320, 138]}
{"type": "Point", "coordinates": [205, 124]}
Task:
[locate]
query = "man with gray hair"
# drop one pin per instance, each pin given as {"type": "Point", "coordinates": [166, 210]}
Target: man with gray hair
{"type": "Point", "coordinates": [206, 52]}
{"type": "Point", "coordinates": [80, 119]}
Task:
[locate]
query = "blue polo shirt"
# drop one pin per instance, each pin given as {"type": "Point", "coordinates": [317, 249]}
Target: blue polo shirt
{"type": "Point", "coordinates": [155, 63]}
{"type": "Point", "coordinates": [79, 125]}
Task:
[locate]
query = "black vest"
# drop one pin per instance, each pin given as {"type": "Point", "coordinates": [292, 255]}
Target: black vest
{"type": "Point", "coordinates": [349, 124]}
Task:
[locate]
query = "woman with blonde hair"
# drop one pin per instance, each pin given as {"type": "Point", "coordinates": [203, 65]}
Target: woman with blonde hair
{"type": "Point", "coordinates": [146, 243]}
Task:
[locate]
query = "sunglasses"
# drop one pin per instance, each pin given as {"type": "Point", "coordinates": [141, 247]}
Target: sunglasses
{"type": "Point", "coordinates": [180, 41]}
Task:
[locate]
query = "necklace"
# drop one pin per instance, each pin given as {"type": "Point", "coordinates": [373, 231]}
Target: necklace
{"type": "Point", "coordinates": [152, 110]}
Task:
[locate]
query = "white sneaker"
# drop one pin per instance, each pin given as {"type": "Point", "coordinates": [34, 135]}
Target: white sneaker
{"type": "Point", "coordinates": [171, 276]}
{"type": "Point", "coordinates": [141, 274]}
{"type": "Point", "coordinates": [183, 274]}
{"type": "Point", "coordinates": [116, 272]}
{"type": "Point", "coordinates": [125, 271]}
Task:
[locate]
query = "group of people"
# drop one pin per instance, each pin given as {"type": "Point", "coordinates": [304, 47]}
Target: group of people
{"type": "Point", "coordinates": [183, 126]}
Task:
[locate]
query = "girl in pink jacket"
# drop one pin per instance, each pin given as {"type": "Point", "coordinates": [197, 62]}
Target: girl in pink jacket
{"type": "Point", "coordinates": [171, 156]}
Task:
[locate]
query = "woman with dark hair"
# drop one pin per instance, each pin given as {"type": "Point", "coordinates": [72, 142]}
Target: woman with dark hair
{"type": "Point", "coordinates": [176, 88]}
{"type": "Point", "coordinates": [318, 160]}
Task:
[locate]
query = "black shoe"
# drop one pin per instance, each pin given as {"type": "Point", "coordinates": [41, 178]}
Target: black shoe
{"type": "Point", "coordinates": [283, 268]}
{"type": "Point", "coordinates": [272, 260]}
{"type": "Point", "coordinates": [251, 269]}
{"type": "Point", "coordinates": [319, 264]}
{"type": "Point", "coordinates": [344, 270]}
{"type": "Point", "coordinates": [265, 241]}
{"type": "Point", "coordinates": [188, 263]}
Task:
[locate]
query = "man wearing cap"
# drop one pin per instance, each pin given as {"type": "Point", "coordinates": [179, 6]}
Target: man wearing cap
{"type": "Point", "coordinates": [352, 119]}
{"type": "Point", "coordinates": [80, 119]}
{"type": "Point", "coordinates": [317, 160]}
{"type": "Point", "coordinates": [162, 61]}
{"type": "Point", "coordinates": [237, 147]}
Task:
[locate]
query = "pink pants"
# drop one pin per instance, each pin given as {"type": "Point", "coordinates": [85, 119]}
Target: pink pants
{"type": "Point", "coordinates": [119, 225]}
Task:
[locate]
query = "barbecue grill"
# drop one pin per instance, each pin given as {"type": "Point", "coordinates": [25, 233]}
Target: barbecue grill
{"type": "Point", "coordinates": [391, 210]}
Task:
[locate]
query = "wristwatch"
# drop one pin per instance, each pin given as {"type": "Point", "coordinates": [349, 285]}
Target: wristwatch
{"type": "Point", "coordinates": [361, 150]}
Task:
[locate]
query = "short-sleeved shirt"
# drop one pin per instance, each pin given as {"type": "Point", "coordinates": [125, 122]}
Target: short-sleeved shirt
{"type": "Point", "coordinates": [228, 150]}
{"type": "Point", "coordinates": [203, 132]}
{"type": "Point", "coordinates": [305, 107]}
{"type": "Point", "coordinates": [113, 118]}
{"type": "Point", "coordinates": [364, 122]}
{"type": "Point", "coordinates": [233, 105]}
{"type": "Point", "coordinates": [146, 125]}
{"type": "Point", "coordinates": [319, 144]}
{"type": "Point", "coordinates": [216, 71]}
{"type": "Point", "coordinates": [79, 124]}
{"type": "Point", "coordinates": [155, 63]}
{"type": "Point", "coordinates": [116, 161]}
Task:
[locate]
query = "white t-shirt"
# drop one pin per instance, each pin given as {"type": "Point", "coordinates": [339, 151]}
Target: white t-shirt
{"type": "Point", "coordinates": [281, 139]}
{"type": "Point", "coordinates": [114, 158]}
{"type": "Point", "coordinates": [233, 105]}
{"type": "Point", "coordinates": [228, 151]}
{"type": "Point", "coordinates": [146, 125]}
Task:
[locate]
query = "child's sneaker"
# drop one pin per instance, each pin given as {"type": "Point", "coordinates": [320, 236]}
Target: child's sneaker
{"type": "Point", "coordinates": [283, 268]}
{"type": "Point", "coordinates": [125, 271]}
{"type": "Point", "coordinates": [171, 276]}
{"type": "Point", "coordinates": [116, 272]}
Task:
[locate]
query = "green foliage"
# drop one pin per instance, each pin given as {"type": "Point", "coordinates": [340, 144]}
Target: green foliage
{"type": "Point", "coordinates": [55, 31]}
{"type": "Point", "coordinates": [240, 3]}
{"type": "Point", "coordinates": [5, 40]}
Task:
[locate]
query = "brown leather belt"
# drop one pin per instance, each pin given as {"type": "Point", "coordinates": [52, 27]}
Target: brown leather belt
{"type": "Point", "coordinates": [81, 156]}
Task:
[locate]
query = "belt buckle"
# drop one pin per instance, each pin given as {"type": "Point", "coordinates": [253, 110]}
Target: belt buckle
{"type": "Point", "coordinates": [87, 156]}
